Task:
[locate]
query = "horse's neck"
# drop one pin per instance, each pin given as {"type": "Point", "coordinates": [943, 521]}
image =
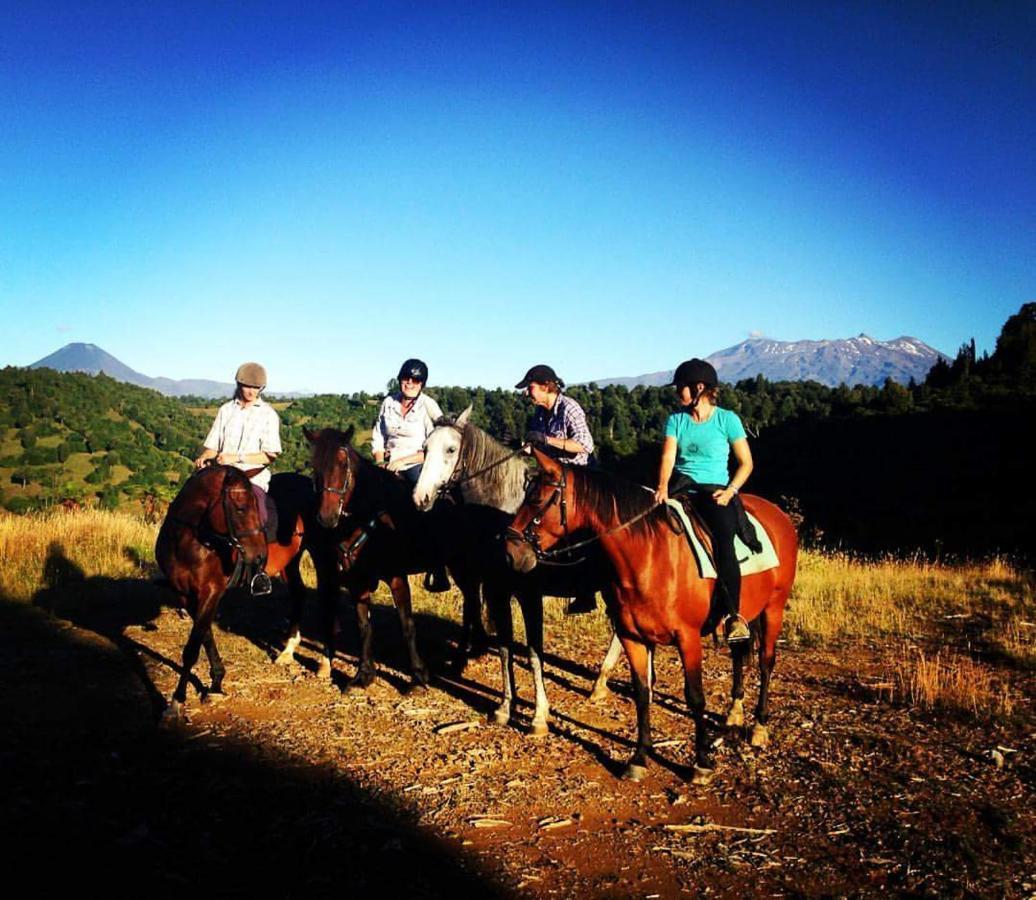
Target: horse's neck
{"type": "Point", "coordinates": [503, 485]}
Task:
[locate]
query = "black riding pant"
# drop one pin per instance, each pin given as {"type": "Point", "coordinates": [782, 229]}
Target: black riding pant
{"type": "Point", "coordinates": [722, 523]}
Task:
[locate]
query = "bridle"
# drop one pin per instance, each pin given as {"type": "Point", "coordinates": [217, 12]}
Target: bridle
{"type": "Point", "coordinates": [344, 491]}
{"type": "Point", "coordinates": [529, 536]}
{"type": "Point", "coordinates": [207, 535]}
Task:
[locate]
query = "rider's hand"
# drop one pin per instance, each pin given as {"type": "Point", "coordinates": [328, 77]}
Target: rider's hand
{"type": "Point", "coordinates": [662, 494]}
{"type": "Point", "coordinates": [535, 437]}
{"type": "Point", "coordinates": [397, 465]}
{"type": "Point", "coordinates": [724, 496]}
{"type": "Point", "coordinates": [199, 463]}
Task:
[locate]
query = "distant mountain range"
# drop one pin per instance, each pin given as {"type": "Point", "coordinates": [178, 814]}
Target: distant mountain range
{"type": "Point", "coordinates": [92, 359]}
{"type": "Point", "coordinates": [858, 360]}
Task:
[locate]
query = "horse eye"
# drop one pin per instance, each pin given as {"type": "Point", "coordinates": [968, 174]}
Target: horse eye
{"type": "Point", "coordinates": [451, 449]}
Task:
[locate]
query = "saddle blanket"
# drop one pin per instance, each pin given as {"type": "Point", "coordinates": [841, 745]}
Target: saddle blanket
{"type": "Point", "coordinates": [751, 563]}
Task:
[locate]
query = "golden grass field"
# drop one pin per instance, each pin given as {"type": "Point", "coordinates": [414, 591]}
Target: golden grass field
{"type": "Point", "coordinates": [948, 629]}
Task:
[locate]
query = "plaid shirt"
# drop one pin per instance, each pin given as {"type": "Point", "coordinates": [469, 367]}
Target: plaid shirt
{"type": "Point", "coordinates": [565, 420]}
{"type": "Point", "coordinates": [255, 429]}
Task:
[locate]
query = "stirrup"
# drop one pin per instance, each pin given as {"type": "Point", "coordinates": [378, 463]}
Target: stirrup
{"type": "Point", "coordinates": [261, 584]}
{"type": "Point", "coordinates": [737, 629]}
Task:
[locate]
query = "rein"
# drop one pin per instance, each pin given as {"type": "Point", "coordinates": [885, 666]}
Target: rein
{"type": "Point", "coordinates": [546, 557]}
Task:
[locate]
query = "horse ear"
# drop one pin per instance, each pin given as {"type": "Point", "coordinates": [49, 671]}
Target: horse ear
{"type": "Point", "coordinates": [547, 463]}
{"type": "Point", "coordinates": [311, 436]}
{"type": "Point", "coordinates": [462, 419]}
{"type": "Point", "coordinates": [349, 432]}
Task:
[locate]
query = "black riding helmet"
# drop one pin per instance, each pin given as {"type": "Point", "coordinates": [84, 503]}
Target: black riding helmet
{"type": "Point", "coordinates": [413, 368]}
{"type": "Point", "coordinates": [695, 371]}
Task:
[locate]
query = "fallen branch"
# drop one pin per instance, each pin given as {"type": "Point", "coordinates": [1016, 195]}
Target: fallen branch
{"type": "Point", "coordinates": [701, 829]}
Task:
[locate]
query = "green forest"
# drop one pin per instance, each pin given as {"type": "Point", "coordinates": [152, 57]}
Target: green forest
{"type": "Point", "coordinates": [67, 437]}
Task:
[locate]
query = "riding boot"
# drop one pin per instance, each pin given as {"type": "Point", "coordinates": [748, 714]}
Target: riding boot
{"type": "Point", "coordinates": [585, 602]}
{"type": "Point", "coordinates": [436, 580]}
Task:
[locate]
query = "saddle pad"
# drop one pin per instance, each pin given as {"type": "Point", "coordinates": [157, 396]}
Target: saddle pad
{"type": "Point", "coordinates": [751, 563]}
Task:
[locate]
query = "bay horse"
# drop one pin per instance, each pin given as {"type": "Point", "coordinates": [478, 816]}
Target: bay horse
{"type": "Point", "coordinates": [658, 597]}
{"type": "Point", "coordinates": [210, 540]}
{"type": "Point", "coordinates": [491, 481]}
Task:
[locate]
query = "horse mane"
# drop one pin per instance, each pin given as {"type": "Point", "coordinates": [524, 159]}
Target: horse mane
{"type": "Point", "coordinates": [613, 500]}
{"type": "Point", "coordinates": [503, 484]}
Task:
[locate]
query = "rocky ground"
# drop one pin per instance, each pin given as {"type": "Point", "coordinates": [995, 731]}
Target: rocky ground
{"type": "Point", "coordinates": [292, 787]}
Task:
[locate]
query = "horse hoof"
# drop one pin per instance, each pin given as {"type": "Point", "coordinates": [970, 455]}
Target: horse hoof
{"type": "Point", "coordinates": [539, 729]}
{"type": "Point", "coordinates": [324, 670]}
{"type": "Point", "coordinates": [361, 680]}
{"type": "Point", "coordinates": [703, 776]}
{"type": "Point", "coordinates": [500, 717]}
{"type": "Point", "coordinates": [213, 697]}
{"type": "Point", "coordinates": [174, 715]}
{"type": "Point", "coordinates": [760, 735]}
{"type": "Point", "coordinates": [421, 678]}
{"type": "Point", "coordinates": [285, 658]}
{"type": "Point", "coordinates": [736, 716]}
{"type": "Point", "coordinates": [600, 693]}
{"type": "Point", "coordinates": [634, 772]}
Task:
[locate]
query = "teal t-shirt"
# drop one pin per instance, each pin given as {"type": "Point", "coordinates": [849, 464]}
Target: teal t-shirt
{"type": "Point", "coordinates": [703, 448]}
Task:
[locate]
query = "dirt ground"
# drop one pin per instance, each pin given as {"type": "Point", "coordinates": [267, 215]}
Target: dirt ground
{"type": "Point", "coordinates": [293, 787]}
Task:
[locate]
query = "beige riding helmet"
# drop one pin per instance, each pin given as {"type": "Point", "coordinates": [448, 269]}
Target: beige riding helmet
{"type": "Point", "coordinates": [251, 374]}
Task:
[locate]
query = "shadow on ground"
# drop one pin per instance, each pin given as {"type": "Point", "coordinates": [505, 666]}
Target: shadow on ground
{"type": "Point", "coordinates": [96, 796]}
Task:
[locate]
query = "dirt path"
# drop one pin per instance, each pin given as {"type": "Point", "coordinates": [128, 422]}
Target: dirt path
{"type": "Point", "coordinates": [301, 787]}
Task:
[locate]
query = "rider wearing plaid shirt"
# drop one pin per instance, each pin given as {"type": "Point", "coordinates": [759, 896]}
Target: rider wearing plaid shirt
{"type": "Point", "coordinates": [558, 422]}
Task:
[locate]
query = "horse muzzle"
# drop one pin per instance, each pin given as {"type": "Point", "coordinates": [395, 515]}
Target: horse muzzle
{"type": "Point", "coordinates": [521, 557]}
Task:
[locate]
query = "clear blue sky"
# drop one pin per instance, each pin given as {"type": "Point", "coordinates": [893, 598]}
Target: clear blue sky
{"type": "Point", "coordinates": [608, 187]}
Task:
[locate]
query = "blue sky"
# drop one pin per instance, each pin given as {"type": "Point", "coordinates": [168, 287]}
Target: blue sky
{"type": "Point", "coordinates": [608, 187]}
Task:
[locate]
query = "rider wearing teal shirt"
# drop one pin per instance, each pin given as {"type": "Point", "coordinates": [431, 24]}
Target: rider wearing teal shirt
{"type": "Point", "coordinates": [703, 448]}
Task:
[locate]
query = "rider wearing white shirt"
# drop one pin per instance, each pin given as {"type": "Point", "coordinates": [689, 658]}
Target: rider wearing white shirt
{"type": "Point", "coordinates": [405, 420]}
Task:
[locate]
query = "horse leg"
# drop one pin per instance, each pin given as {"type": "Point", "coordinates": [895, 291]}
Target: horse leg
{"type": "Point", "coordinates": [499, 601]}
{"type": "Point", "coordinates": [689, 643]}
{"type": "Point", "coordinates": [400, 588]}
{"type": "Point", "coordinates": [532, 614]}
{"type": "Point", "coordinates": [297, 593]}
{"type": "Point", "coordinates": [638, 656]}
{"type": "Point", "coordinates": [216, 668]}
{"type": "Point", "coordinates": [474, 640]}
{"type": "Point", "coordinates": [201, 624]}
{"type": "Point", "coordinates": [328, 595]}
{"type": "Point", "coordinates": [365, 672]}
{"type": "Point", "coordinates": [611, 658]}
{"type": "Point", "coordinates": [739, 651]}
{"type": "Point", "coordinates": [770, 627]}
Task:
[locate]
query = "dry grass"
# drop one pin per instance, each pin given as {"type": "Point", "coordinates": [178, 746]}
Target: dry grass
{"type": "Point", "coordinates": [949, 680]}
{"type": "Point", "coordinates": [97, 543]}
{"type": "Point", "coordinates": [838, 597]}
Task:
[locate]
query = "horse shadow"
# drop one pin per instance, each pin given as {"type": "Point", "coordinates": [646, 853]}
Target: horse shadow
{"type": "Point", "coordinates": [84, 769]}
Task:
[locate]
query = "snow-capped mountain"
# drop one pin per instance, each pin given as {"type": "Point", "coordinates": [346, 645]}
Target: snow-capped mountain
{"type": "Point", "coordinates": [858, 360]}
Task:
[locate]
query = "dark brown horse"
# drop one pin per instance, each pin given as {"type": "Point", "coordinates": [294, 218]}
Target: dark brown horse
{"type": "Point", "coordinates": [210, 541]}
{"type": "Point", "coordinates": [372, 533]}
{"type": "Point", "coordinates": [658, 597]}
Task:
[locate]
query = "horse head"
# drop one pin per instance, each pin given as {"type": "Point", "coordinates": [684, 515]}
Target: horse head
{"type": "Point", "coordinates": [334, 469]}
{"type": "Point", "coordinates": [233, 511]}
{"type": "Point", "coordinates": [543, 518]}
{"type": "Point", "coordinates": [442, 451]}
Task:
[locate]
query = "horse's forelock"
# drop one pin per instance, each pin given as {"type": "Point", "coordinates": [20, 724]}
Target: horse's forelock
{"type": "Point", "coordinates": [327, 442]}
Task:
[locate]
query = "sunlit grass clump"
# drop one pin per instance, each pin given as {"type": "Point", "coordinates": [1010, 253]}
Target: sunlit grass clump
{"type": "Point", "coordinates": [95, 542]}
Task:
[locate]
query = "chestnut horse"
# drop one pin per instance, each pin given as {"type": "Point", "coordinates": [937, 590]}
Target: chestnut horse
{"type": "Point", "coordinates": [658, 597]}
{"type": "Point", "coordinates": [210, 541]}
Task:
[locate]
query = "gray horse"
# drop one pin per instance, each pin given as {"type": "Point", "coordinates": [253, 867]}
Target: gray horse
{"type": "Point", "coordinates": [488, 475]}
